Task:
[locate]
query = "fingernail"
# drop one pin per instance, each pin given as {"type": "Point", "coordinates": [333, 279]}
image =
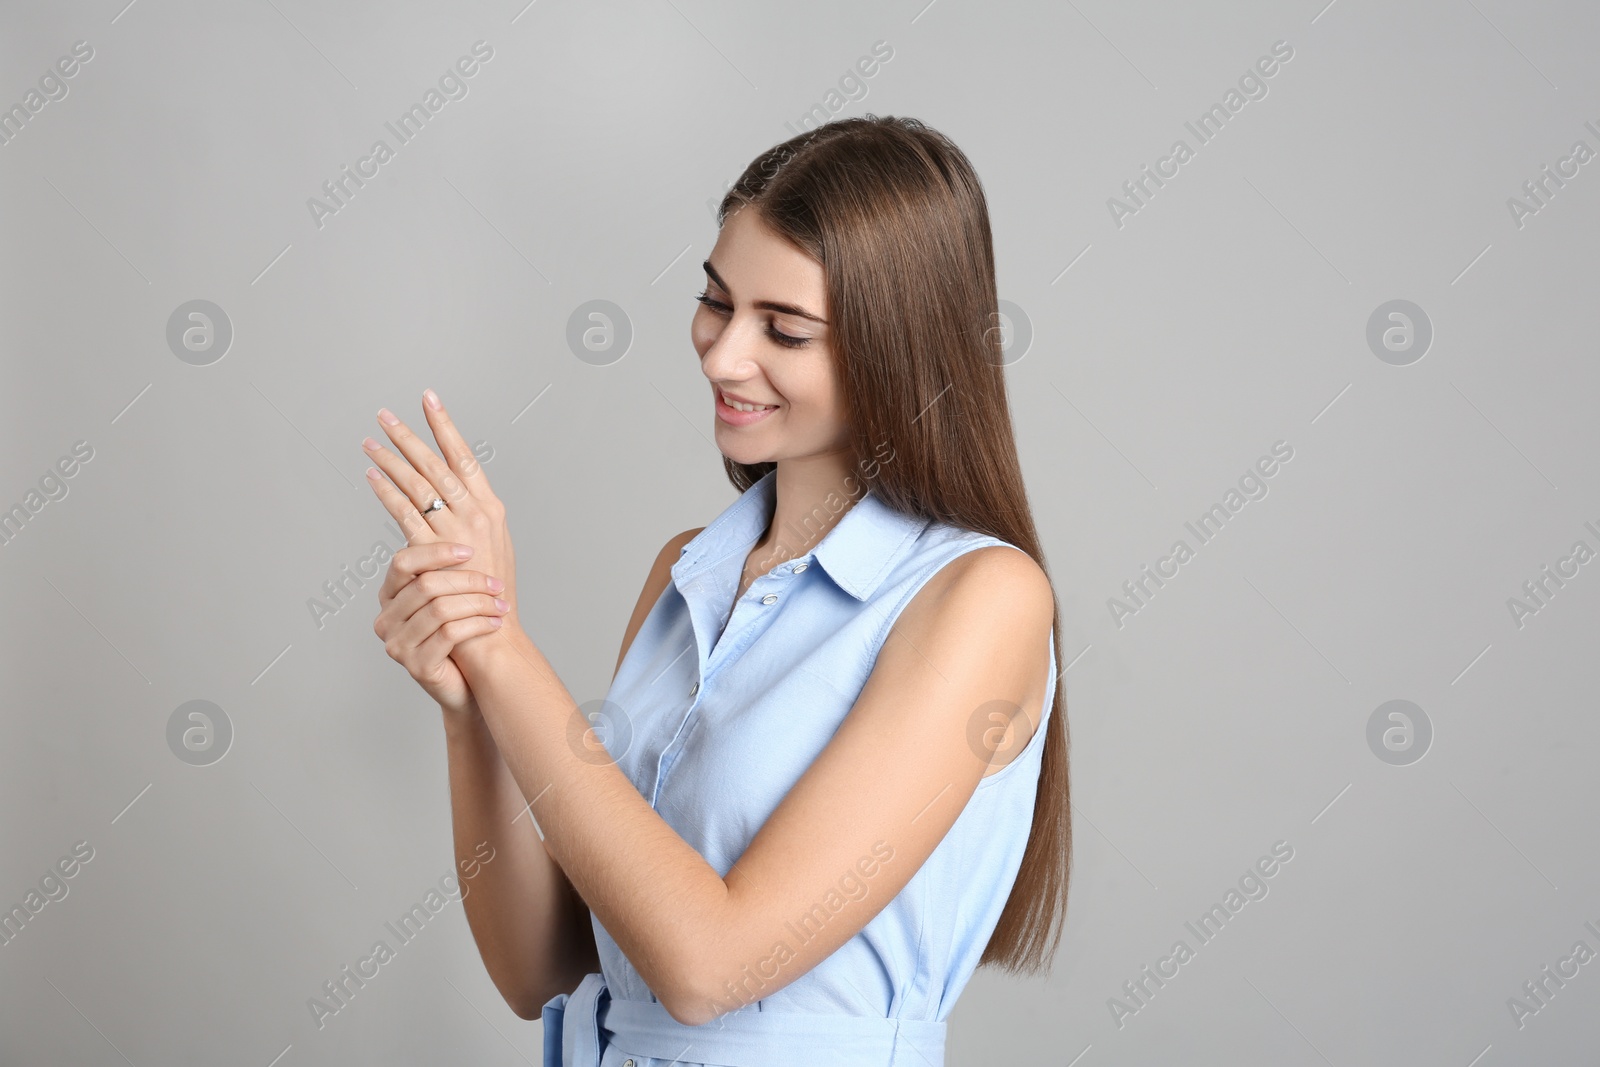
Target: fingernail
{"type": "Point", "coordinates": [387, 416]}
{"type": "Point", "coordinates": [495, 621]}
{"type": "Point", "coordinates": [369, 444]}
{"type": "Point", "coordinates": [464, 552]}
{"type": "Point", "coordinates": [500, 605]}
{"type": "Point", "coordinates": [374, 473]}
{"type": "Point", "coordinates": [495, 585]}
{"type": "Point", "coordinates": [431, 398]}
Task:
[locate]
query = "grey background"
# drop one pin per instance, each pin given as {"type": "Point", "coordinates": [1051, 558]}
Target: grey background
{"type": "Point", "coordinates": [1167, 355]}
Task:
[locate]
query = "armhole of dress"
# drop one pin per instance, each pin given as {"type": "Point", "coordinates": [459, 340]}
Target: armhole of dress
{"type": "Point", "coordinates": [1037, 740]}
{"type": "Point", "coordinates": [1046, 709]}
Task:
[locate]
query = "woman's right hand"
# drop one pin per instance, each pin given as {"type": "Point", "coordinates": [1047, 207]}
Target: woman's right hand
{"type": "Point", "coordinates": [428, 605]}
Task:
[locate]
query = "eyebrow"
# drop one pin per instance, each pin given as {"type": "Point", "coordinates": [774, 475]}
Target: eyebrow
{"type": "Point", "coordinates": [766, 305]}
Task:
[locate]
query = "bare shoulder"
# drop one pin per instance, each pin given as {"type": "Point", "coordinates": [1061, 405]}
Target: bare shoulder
{"type": "Point", "coordinates": [654, 584]}
{"type": "Point", "coordinates": [674, 546]}
{"type": "Point", "coordinates": [982, 624]}
{"type": "Point", "coordinates": [661, 569]}
{"type": "Point", "coordinates": [995, 585]}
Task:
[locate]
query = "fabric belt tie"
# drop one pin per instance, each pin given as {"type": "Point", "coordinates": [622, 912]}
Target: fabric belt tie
{"type": "Point", "coordinates": [580, 1025]}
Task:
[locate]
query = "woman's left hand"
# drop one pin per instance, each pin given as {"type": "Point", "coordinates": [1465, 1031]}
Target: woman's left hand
{"type": "Point", "coordinates": [472, 514]}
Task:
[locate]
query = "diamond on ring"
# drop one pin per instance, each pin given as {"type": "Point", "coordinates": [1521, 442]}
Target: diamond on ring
{"type": "Point", "coordinates": [437, 505]}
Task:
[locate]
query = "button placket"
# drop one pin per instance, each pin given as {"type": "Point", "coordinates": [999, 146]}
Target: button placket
{"type": "Point", "coordinates": [741, 615]}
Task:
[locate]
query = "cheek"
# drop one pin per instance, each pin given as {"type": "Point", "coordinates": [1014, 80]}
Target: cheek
{"type": "Point", "coordinates": [811, 388]}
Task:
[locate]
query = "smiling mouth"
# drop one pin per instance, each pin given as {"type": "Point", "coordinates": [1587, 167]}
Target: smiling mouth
{"type": "Point", "coordinates": [741, 405]}
{"type": "Point", "coordinates": [745, 415]}
{"type": "Point", "coordinates": [738, 405]}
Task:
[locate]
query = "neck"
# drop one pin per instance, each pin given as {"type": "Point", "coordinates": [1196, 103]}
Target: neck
{"type": "Point", "coordinates": [813, 494]}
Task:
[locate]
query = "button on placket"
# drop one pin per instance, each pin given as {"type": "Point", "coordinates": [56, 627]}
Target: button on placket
{"type": "Point", "coordinates": [739, 616]}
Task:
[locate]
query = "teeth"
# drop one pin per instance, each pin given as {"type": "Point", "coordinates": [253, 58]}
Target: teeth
{"type": "Point", "coordinates": [735, 405]}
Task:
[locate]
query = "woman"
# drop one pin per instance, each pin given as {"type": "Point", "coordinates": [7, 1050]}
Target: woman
{"type": "Point", "coordinates": [824, 795]}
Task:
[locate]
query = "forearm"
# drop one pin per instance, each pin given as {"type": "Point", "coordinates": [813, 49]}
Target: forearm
{"type": "Point", "coordinates": [532, 932]}
{"type": "Point", "coordinates": [655, 895]}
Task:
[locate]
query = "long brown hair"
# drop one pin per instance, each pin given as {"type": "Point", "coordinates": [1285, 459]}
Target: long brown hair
{"type": "Point", "coordinates": [897, 217]}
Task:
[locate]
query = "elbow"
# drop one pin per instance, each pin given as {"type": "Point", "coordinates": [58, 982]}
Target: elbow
{"type": "Point", "coordinates": [690, 1010]}
{"type": "Point", "coordinates": [526, 1003]}
{"type": "Point", "coordinates": [680, 1001]}
{"type": "Point", "coordinates": [527, 1010]}
{"type": "Point", "coordinates": [686, 1000]}
{"type": "Point", "coordinates": [701, 999]}
{"type": "Point", "coordinates": [701, 981]}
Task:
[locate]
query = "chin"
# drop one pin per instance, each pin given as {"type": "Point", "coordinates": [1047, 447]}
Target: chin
{"type": "Point", "coordinates": [739, 447]}
{"type": "Point", "coordinates": [748, 455]}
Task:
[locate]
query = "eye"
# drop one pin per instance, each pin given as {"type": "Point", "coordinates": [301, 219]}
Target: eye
{"type": "Point", "coordinates": [787, 340]}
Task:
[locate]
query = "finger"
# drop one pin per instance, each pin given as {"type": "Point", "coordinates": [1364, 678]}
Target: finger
{"type": "Point", "coordinates": [435, 582]}
{"type": "Point", "coordinates": [446, 609]}
{"type": "Point", "coordinates": [400, 507]}
{"type": "Point", "coordinates": [457, 453]}
{"type": "Point", "coordinates": [432, 652]}
{"type": "Point", "coordinates": [439, 608]}
{"type": "Point", "coordinates": [419, 490]}
{"type": "Point", "coordinates": [404, 636]}
{"type": "Point", "coordinates": [415, 559]}
{"type": "Point", "coordinates": [425, 461]}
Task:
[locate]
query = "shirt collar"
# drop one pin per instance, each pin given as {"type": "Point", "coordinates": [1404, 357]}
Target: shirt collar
{"type": "Point", "coordinates": [856, 553]}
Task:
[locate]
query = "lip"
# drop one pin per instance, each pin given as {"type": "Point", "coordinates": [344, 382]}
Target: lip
{"type": "Point", "coordinates": [737, 418]}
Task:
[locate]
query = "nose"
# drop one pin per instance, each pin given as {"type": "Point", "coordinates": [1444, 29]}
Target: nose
{"type": "Point", "coordinates": [731, 355]}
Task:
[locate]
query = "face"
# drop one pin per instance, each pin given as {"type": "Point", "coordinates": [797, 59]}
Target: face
{"type": "Point", "coordinates": [762, 334]}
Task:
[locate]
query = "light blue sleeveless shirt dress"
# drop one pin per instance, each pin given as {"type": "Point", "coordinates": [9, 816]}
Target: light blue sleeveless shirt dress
{"type": "Point", "coordinates": [716, 712]}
